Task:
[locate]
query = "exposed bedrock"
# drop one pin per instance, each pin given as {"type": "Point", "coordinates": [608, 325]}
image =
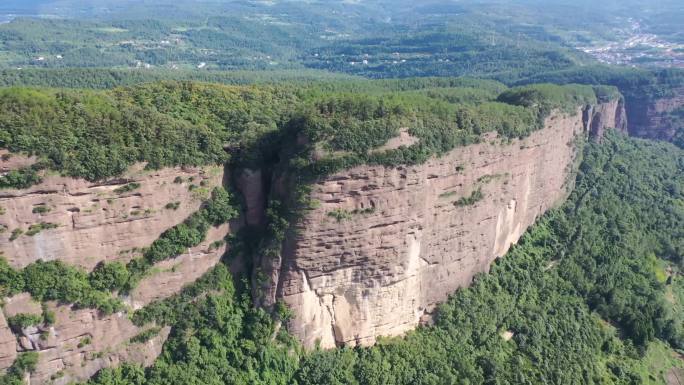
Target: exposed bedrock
{"type": "Point", "coordinates": [386, 244]}
{"type": "Point", "coordinates": [98, 222]}
{"type": "Point", "coordinates": [80, 342]}
{"type": "Point", "coordinates": [94, 223]}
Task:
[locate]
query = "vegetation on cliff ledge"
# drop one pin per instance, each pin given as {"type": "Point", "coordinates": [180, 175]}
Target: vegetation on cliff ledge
{"type": "Point", "coordinates": [99, 134]}
{"type": "Point", "coordinates": [581, 300]}
{"type": "Point", "coordinates": [57, 281]}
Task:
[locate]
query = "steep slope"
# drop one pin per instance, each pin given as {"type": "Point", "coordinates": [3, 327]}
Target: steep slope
{"type": "Point", "coordinates": [408, 196]}
{"type": "Point", "coordinates": [95, 223]}
{"type": "Point", "coordinates": [659, 118]}
{"type": "Point", "coordinates": [654, 98]}
{"type": "Point", "coordinates": [383, 245]}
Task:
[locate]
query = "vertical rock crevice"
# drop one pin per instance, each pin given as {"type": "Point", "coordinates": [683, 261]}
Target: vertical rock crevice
{"type": "Point", "coordinates": [382, 271]}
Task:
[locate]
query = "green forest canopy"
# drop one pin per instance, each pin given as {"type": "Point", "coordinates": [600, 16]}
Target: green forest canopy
{"type": "Point", "coordinates": [98, 134]}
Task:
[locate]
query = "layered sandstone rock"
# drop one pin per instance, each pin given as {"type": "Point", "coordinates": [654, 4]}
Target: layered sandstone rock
{"type": "Point", "coordinates": [21, 304]}
{"type": "Point", "coordinates": [94, 222]}
{"type": "Point", "coordinates": [250, 184]}
{"type": "Point", "coordinates": [81, 342]}
{"type": "Point", "coordinates": [8, 345]}
{"type": "Point", "coordinates": [168, 277]}
{"type": "Point", "coordinates": [610, 114]}
{"type": "Point", "coordinates": [386, 244]}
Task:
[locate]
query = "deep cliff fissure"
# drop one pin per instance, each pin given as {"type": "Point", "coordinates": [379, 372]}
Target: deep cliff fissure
{"type": "Point", "coordinates": [382, 246]}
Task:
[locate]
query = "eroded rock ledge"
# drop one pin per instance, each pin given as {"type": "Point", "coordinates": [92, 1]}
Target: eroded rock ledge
{"type": "Point", "coordinates": [386, 244]}
{"type": "Point", "coordinates": [98, 222]}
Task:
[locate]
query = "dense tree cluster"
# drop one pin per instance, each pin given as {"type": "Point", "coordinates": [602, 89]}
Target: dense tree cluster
{"type": "Point", "coordinates": [96, 135]}
{"type": "Point", "coordinates": [56, 281]}
{"type": "Point", "coordinates": [99, 134]}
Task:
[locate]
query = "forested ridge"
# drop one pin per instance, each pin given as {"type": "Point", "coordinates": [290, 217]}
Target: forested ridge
{"type": "Point", "coordinates": [641, 88]}
{"type": "Point", "coordinates": [98, 134]}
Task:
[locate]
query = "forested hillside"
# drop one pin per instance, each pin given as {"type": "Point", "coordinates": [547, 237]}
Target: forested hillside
{"type": "Point", "coordinates": [590, 295]}
{"type": "Point", "coordinates": [97, 135]}
{"type": "Point", "coordinates": [144, 144]}
{"type": "Point", "coordinates": [599, 277]}
{"type": "Point", "coordinates": [379, 39]}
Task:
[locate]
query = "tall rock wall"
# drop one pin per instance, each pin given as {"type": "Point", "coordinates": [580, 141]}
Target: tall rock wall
{"type": "Point", "coordinates": [94, 223]}
{"type": "Point", "coordinates": [80, 342]}
{"type": "Point", "coordinates": [385, 245]}
{"type": "Point", "coordinates": [382, 248]}
{"type": "Point", "coordinates": [651, 118]}
{"type": "Point", "coordinates": [98, 222]}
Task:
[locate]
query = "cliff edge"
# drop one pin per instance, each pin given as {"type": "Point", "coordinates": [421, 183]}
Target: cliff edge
{"type": "Point", "coordinates": [383, 245]}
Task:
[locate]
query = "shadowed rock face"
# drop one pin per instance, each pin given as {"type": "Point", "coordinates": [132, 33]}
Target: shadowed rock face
{"type": "Point", "coordinates": [409, 236]}
{"type": "Point", "coordinates": [650, 118]}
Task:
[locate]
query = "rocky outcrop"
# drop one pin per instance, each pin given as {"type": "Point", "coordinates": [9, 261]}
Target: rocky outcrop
{"type": "Point", "coordinates": [611, 114]}
{"type": "Point", "coordinates": [168, 277]}
{"type": "Point", "coordinates": [99, 222]}
{"type": "Point", "coordinates": [8, 345]}
{"type": "Point", "coordinates": [81, 342]}
{"type": "Point", "coordinates": [384, 245]}
{"type": "Point", "coordinates": [250, 184]}
{"type": "Point", "coordinates": [21, 304]}
{"type": "Point", "coordinates": [9, 161]}
{"type": "Point", "coordinates": [651, 118]}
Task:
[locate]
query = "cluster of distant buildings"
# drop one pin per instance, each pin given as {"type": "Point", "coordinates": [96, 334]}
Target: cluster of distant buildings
{"type": "Point", "coordinates": [43, 58]}
{"type": "Point", "coordinates": [639, 48]}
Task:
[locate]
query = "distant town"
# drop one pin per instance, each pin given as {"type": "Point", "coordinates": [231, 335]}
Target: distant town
{"type": "Point", "coordinates": [637, 48]}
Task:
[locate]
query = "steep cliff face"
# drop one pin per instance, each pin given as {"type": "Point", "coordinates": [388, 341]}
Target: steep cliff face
{"type": "Point", "coordinates": [80, 342]}
{"type": "Point", "coordinates": [652, 119]}
{"type": "Point", "coordinates": [385, 245]}
{"type": "Point", "coordinates": [610, 114]}
{"type": "Point", "coordinates": [100, 222]}
{"type": "Point", "coordinates": [8, 344]}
